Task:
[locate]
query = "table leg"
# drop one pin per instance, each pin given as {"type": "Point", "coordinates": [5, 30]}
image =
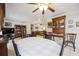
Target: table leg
{"type": "Point", "coordinates": [53, 38]}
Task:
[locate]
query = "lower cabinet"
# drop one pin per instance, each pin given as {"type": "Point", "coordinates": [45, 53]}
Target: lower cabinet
{"type": "Point", "coordinates": [3, 49]}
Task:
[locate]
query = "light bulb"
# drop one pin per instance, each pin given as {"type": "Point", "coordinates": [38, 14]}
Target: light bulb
{"type": "Point", "coordinates": [43, 6]}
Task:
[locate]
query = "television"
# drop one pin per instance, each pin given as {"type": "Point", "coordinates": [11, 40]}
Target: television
{"type": "Point", "coordinates": [8, 30]}
{"type": "Point", "coordinates": [9, 24]}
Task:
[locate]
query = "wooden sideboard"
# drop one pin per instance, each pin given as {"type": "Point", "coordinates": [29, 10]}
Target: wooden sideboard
{"type": "Point", "coordinates": [3, 48]}
{"type": "Point", "coordinates": [2, 15]}
{"type": "Point", "coordinates": [3, 44]}
{"type": "Point", "coordinates": [41, 33]}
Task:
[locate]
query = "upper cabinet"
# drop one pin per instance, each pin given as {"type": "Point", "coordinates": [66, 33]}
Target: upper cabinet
{"type": "Point", "coordinates": [2, 10]}
{"type": "Point", "coordinates": [59, 22]}
{"type": "Point", "coordinates": [59, 25]}
{"type": "Point", "coordinates": [2, 15]}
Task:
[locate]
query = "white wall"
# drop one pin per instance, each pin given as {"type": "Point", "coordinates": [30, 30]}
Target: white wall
{"type": "Point", "coordinates": [19, 23]}
{"type": "Point", "coordinates": [44, 25]}
{"type": "Point", "coordinates": [74, 16]}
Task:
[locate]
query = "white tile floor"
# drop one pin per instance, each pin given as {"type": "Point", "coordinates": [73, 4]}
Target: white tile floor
{"type": "Point", "coordinates": [68, 51]}
{"type": "Point", "coordinates": [11, 51]}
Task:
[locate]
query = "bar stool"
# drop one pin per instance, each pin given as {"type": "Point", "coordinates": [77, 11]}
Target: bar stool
{"type": "Point", "coordinates": [71, 37]}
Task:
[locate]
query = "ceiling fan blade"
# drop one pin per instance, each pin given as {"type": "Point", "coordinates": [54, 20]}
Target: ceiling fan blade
{"type": "Point", "coordinates": [52, 10]}
{"type": "Point", "coordinates": [32, 3]}
{"type": "Point", "coordinates": [43, 12]}
{"type": "Point", "coordinates": [35, 10]}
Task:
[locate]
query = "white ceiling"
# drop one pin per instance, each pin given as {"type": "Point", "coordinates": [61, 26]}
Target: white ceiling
{"type": "Point", "coordinates": [23, 11]}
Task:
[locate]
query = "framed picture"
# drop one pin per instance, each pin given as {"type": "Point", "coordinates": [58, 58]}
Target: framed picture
{"type": "Point", "coordinates": [36, 27]}
{"type": "Point", "coordinates": [70, 21]}
{"type": "Point", "coordinates": [77, 24]}
{"type": "Point", "coordinates": [70, 26]}
{"type": "Point", "coordinates": [8, 24]}
{"type": "Point", "coordinates": [49, 24]}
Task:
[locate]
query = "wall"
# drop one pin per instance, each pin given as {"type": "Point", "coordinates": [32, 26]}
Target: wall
{"type": "Point", "coordinates": [43, 26]}
{"type": "Point", "coordinates": [74, 16]}
{"type": "Point", "coordinates": [19, 23]}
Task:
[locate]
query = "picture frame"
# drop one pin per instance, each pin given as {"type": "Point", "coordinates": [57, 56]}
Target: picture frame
{"type": "Point", "coordinates": [70, 26]}
{"type": "Point", "coordinates": [8, 24]}
{"type": "Point", "coordinates": [77, 24]}
{"type": "Point", "coordinates": [36, 27]}
{"type": "Point", "coordinates": [70, 21]}
{"type": "Point", "coordinates": [49, 24]}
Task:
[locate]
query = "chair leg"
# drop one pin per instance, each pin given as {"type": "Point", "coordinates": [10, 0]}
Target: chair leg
{"type": "Point", "coordinates": [74, 46]}
{"type": "Point", "coordinates": [65, 44]}
{"type": "Point", "coordinates": [53, 39]}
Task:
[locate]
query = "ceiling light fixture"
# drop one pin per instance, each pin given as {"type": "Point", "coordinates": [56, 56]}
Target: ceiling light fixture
{"type": "Point", "coordinates": [43, 7]}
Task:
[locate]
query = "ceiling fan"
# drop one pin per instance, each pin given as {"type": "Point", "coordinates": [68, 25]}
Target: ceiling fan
{"type": "Point", "coordinates": [42, 7]}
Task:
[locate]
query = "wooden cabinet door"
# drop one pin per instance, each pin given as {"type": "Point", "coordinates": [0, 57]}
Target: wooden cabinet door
{"type": "Point", "coordinates": [2, 14]}
{"type": "Point", "coordinates": [23, 29]}
{"type": "Point", "coordinates": [58, 25]}
{"type": "Point", "coordinates": [2, 10]}
{"type": "Point", "coordinates": [3, 49]}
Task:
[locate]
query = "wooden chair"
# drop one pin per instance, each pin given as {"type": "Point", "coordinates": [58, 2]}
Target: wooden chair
{"type": "Point", "coordinates": [71, 37]}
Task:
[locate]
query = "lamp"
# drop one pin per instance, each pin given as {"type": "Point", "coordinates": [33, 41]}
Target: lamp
{"type": "Point", "coordinates": [0, 32]}
{"type": "Point", "coordinates": [43, 7]}
{"type": "Point", "coordinates": [44, 28]}
{"type": "Point", "coordinates": [0, 35]}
